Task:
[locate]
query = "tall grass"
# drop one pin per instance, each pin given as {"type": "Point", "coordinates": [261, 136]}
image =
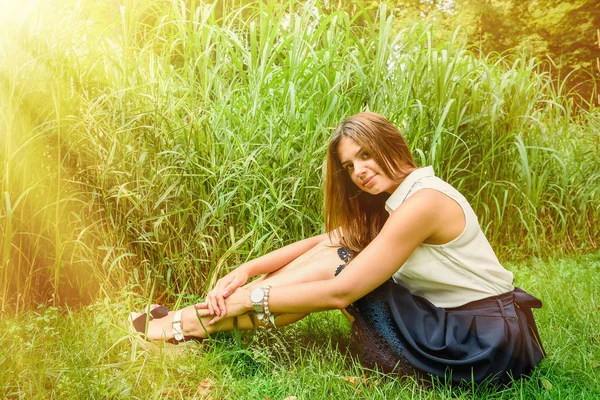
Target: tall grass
{"type": "Point", "coordinates": [156, 144]}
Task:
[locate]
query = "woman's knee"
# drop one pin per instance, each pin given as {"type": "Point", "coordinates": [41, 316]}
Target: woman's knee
{"type": "Point", "coordinates": [321, 264]}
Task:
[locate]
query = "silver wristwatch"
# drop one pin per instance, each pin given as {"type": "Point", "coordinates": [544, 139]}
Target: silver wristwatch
{"type": "Point", "coordinates": [256, 297]}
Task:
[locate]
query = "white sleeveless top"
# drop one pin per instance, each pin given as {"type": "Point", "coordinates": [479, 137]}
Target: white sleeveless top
{"type": "Point", "coordinates": [458, 272]}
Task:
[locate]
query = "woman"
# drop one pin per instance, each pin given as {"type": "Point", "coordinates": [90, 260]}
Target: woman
{"type": "Point", "coordinates": [425, 289]}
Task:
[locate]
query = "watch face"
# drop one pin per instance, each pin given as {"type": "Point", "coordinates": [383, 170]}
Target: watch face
{"type": "Point", "coordinates": [257, 295]}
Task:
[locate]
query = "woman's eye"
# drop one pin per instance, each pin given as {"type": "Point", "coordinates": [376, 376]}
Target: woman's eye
{"type": "Point", "coordinates": [365, 155]}
{"type": "Point", "coordinates": [349, 167]}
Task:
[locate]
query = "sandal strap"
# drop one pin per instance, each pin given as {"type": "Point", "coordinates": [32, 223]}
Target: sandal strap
{"type": "Point", "coordinates": [159, 312]}
{"type": "Point", "coordinates": [177, 326]}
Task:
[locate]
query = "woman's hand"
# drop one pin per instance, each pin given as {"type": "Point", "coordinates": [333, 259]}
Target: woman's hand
{"type": "Point", "coordinates": [237, 304]}
{"type": "Point", "coordinates": [215, 299]}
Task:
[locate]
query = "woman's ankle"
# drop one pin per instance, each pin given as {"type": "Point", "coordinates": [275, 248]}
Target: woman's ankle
{"type": "Point", "coordinates": [192, 324]}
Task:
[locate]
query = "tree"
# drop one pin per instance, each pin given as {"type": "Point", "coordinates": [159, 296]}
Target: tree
{"type": "Point", "coordinates": [563, 35]}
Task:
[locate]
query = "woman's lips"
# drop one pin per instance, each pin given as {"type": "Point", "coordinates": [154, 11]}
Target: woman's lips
{"type": "Point", "coordinates": [369, 181]}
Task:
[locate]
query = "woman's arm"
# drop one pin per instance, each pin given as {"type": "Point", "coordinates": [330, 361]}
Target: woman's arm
{"type": "Point", "coordinates": [267, 263]}
{"type": "Point", "coordinates": [278, 258]}
{"type": "Point", "coordinates": [417, 219]}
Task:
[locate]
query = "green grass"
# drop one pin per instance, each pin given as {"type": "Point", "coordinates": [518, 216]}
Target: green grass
{"type": "Point", "coordinates": [87, 353]}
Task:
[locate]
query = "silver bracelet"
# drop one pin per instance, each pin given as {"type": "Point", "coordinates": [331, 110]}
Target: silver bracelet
{"type": "Point", "coordinates": [266, 301]}
{"type": "Point", "coordinates": [268, 318]}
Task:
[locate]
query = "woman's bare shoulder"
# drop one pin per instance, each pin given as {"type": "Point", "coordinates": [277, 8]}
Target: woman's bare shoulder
{"type": "Point", "coordinates": [443, 215]}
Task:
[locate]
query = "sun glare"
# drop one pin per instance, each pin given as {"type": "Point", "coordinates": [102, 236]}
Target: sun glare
{"type": "Point", "coordinates": [14, 13]}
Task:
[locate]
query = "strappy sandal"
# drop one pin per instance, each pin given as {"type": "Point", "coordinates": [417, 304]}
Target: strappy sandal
{"type": "Point", "coordinates": [178, 336]}
{"type": "Point", "coordinates": [139, 325]}
{"type": "Point", "coordinates": [139, 322]}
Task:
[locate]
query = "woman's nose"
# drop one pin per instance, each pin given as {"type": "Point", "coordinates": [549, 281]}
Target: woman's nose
{"type": "Point", "coordinates": [359, 169]}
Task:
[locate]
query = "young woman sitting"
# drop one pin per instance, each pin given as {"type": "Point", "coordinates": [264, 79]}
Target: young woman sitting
{"type": "Point", "coordinates": [404, 256]}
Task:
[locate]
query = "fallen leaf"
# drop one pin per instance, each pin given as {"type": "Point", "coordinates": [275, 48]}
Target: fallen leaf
{"type": "Point", "coordinates": [594, 363]}
{"type": "Point", "coordinates": [205, 388]}
{"type": "Point", "coordinates": [352, 380]}
{"type": "Point", "coordinates": [266, 398]}
{"type": "Point", "coordinates": [546, 384]}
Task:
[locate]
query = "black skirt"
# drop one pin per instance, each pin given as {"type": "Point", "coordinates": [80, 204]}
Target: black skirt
{"type": "Point", "coordinates": [493, 339]}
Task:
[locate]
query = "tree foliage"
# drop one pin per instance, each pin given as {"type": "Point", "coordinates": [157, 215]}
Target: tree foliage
{"type": "Point", "coordinates": [563, 35]}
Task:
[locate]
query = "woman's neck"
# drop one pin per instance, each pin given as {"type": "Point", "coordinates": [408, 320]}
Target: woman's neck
{"type": "Point", "coordinates": [407, 171]}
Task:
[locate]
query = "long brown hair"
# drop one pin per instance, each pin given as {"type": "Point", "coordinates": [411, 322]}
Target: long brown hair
{"type": "Point", "coordinates": [360, 215]}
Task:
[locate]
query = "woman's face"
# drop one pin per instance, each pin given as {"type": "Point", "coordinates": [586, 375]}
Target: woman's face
{"type": "Point", "coordinates": [362, 168]}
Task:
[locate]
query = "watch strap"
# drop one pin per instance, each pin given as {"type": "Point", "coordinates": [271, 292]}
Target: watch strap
{"type": "Point", "coordinates": [258, 307]}
{"type": "Point", "coordinates": [177, 326]}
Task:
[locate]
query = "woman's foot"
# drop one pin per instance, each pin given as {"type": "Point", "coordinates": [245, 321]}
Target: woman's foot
{"type": "Point", "coordinates": [162, 328]}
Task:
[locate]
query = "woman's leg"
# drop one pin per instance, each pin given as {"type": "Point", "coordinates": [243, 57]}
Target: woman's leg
{"type": "Point", "coordinates": [319, 263]}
